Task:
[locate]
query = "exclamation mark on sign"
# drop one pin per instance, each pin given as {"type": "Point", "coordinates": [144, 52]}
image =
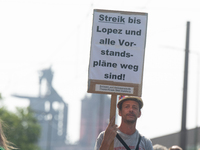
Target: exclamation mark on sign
{"type": "Point", "coordinates": [123, 76]}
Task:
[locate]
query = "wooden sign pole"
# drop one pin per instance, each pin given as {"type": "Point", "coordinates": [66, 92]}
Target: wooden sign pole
{"type": "Point", "coordinates": [113, 113]}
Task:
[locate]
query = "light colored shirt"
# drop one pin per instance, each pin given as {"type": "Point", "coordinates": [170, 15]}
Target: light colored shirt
{"type": "Point", "coordinates": [130, 140]}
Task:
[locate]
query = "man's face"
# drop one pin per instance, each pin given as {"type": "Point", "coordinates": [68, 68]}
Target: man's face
{"type": "Point", "coordinates": [130, 111]}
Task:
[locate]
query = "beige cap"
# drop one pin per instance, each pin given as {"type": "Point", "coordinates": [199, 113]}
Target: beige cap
{"type": "Point", "coordinates": [134, 98]}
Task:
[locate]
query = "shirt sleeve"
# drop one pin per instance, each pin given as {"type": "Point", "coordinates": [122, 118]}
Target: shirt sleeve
{"type": "Point", "coordinates": [148, 144]}
{"type": "Point", "coordinates": [99, 141]}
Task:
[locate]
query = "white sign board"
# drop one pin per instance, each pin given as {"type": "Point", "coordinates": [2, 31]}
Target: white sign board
{"type": "Point", "coordinates": [117, 48]}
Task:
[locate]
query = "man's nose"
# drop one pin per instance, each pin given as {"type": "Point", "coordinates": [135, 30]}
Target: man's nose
{"type": "Point", "coordinates": [131, 109]}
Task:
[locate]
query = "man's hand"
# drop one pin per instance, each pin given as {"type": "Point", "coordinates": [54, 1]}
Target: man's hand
{"type": "Point", "coordinates": [110, 134]}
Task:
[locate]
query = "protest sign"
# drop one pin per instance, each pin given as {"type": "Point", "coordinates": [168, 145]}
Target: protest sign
{"type": "Point", "coordinates": [117, 52]}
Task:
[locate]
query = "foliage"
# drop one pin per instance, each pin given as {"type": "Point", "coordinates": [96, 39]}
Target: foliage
{"type": "Point", "coordinates": [22, 128]}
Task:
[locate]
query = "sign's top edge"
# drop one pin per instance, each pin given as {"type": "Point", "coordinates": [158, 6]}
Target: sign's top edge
{"type": "Point", "coordinates": [121, 12]}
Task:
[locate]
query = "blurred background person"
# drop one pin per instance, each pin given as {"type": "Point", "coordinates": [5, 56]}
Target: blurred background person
{"type": "Point", "coordinates": [4, 143]}
{"type": "Point", "coordinates": [159, 147]}
{"type": "Point", "coordinates": [175, 147]}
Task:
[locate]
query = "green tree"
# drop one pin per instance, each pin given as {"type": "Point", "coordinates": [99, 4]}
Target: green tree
{"type": "Point", "coordinates": [0, 97]}
{"type": "Point", "coordinates": [22, 128]}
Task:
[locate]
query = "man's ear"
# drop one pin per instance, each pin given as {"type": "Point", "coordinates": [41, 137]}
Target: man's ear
{"type": "Point", "coordinates": [140, 113]}
{"type": "Point", "coordinates": [119, 112]}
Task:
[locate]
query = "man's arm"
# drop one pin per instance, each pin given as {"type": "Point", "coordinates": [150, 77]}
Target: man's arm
{"type": "Point", "coordinates": [109, 136]}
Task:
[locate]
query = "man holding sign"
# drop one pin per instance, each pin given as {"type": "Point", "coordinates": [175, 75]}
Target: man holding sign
{"type": "Point", "coordinates": [129, 108]}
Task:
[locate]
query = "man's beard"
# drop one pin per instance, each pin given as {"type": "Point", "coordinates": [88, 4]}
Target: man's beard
{"type": "Point", "coordinates": [131, 121]}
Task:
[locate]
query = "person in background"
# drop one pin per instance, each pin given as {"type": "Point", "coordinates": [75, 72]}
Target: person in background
{"type": "Point", "coordinates": [175, 147]}
{"type": "Point", "coordinates": [4, 143]}
{"type": "Point", "coordinates": [129, 108]}
{"type": "Point", "coordinates": [159, 147]}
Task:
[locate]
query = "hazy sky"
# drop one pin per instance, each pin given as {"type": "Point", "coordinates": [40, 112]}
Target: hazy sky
{"type": "Point", "coordinates": [37, 34]}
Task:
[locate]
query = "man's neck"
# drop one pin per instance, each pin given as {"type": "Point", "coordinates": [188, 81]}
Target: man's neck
{"type": "Point", "coordinates": [128, 129]}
